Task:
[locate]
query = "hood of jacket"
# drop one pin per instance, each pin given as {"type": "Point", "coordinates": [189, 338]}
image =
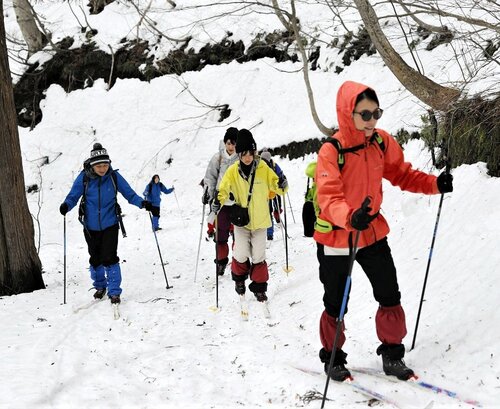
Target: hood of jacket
{"type": "Point", "coordinates": [348, 135]}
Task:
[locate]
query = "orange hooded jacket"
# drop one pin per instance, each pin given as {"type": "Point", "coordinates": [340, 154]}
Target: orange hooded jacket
{"type": "Point", "coordinates": [340, 194]}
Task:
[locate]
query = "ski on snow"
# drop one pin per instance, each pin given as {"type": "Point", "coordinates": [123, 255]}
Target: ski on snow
{"type": "Point", "coordinates": [417, 383]}
{"type": "Point", "coordinates": [265, 309]}
{"type": "Point", "coordinates": [86, 306]}
{"type": "Point", "coordinates": [362, 389]}
{"type": "Point", "coordinates": [244, 308]}
{"type": "Point", "coordinates": [116, 311]}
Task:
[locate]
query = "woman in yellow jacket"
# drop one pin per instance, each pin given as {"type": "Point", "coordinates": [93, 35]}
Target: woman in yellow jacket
{"type": "Point", "coordinates": [249, 253]}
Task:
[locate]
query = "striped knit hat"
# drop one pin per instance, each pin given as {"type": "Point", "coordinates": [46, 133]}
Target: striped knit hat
{"type": "Point", "coordinates": [98, 155]}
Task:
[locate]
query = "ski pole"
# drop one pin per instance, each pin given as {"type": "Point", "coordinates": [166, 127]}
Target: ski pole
{"type": "Point", "coordinates": [287, 267]}
{"type": "Point", "coordinates": [216, 225]}
{"type": "Point", "coordinates": [291, 210]}
{"type": "Point", "coordinates": [199, 241]}
{"type": "Point", "coordinates": [428, 267]}
{"type": "Point", "coordinates": [340, 319]}
{"type": "Point", "coordinates": [64, 259]}
{"type": "Point", "coordinates": [180, 210]}
{"type": "Point", "coordinates": [159, 252]}
{"type": "Point", "coordinates": [120, 220]}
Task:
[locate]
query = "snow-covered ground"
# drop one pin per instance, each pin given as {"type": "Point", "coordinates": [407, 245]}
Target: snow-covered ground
{"type": "Point", "coordinates": [170, 349]}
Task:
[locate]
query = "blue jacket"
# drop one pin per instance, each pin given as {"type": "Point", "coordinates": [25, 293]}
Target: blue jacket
{"type": "Point", "coordinates": [277, 169]}
{"type": "Point", "coordinates": [274, 166]}
{"type": "Point", "coordinates": [156, 189]}
{"type": "Point", "coordinates": [100, 198]}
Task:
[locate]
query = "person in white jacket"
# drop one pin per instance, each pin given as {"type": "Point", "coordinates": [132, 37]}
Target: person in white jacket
{"type": "Point", "coordinates": [213, 175]}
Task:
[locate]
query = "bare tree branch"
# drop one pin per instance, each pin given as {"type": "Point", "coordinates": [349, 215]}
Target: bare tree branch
{"type": "Point", "coordinates": [429, 92]}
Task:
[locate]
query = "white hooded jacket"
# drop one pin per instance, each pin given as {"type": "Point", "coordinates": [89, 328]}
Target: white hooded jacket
{"type": "Point", "coordinates": [216, 169]}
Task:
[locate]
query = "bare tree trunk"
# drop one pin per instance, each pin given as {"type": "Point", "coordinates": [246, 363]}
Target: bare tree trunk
{"type": "Point", "coordinates": [430, 93]}
{"type": "Point", "coordinates": [34, 38]}
{"type": "Point", "coordinates": [20, 267]}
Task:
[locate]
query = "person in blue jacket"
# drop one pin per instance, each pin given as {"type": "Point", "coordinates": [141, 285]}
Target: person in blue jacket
{"type": "Point", "coordinates": [274, 200]}
{"type": "Point", "coordinates": [152, 193]}
{"type": "Point", "coordinates": [99, 213]}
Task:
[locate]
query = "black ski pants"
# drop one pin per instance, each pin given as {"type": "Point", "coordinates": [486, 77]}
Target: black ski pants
{"type": "Point", "coordinates": [102, 246]}
{"type": "Point", "coordinates": [378, 265]}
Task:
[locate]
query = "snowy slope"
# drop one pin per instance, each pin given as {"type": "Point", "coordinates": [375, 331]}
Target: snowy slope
{"type": "Point", "coordinates": [170, 349]}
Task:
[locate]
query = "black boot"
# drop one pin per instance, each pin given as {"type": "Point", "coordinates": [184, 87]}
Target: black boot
{"type": "Point", "coordinates": [338, 372]}
{"type": "Point", "coordinates": [100, 292]}
{"type": "Point", "coordinates": [261, 297]}
{"type": "Point", "coordinates": [115, 299]}
{"type": "Point", "coordinates": [239, 286]}
{"type": "Point", "coordinates": [221, 265]}
{"type": "Point", "coordinates": [221, 268]}
{"type": "Point", "coordinates": [392, 360]}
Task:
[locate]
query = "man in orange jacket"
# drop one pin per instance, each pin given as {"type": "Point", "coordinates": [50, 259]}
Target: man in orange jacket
{"type": "Point", "coordinates": [374, 155]}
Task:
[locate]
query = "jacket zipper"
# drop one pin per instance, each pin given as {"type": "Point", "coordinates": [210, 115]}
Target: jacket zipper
{"type": "Point", "coordinates": [99, 202]}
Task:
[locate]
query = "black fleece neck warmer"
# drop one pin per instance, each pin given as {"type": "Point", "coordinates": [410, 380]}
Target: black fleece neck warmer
{"type": "Point", "coordinates": [246, 169]}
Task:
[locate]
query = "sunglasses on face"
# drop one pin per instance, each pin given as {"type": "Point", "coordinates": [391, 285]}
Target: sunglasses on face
{"type": "Point", "coordinates": [367, 115]}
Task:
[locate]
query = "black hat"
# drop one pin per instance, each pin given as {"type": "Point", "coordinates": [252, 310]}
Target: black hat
{"type": "Point", "coordinates": [231, 134]}
{"type": "Point", "coordinates": [98, 155]}
{"type": "Point", "coordinates": [245, 141]}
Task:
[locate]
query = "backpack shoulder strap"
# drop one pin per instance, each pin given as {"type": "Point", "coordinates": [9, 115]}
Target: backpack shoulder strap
{"type": "Point", "coordinates": [377, 138]}
{"type": "Point", "coordinates": [342, 151]}
{"type": "Point", "coordinates": [115, 183]}
{"type": "Point", "coordinates": [81, 208]}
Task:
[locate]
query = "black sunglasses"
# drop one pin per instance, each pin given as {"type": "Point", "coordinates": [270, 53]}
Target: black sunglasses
{"type": "Point", "coordinates": [367, 115]}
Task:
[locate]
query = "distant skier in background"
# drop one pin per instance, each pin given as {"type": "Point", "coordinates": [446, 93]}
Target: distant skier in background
{"type": "Point", "coordinates": [275, 208]}
{"type": "Point", "coordinates": [371, 154]}
{"type": "Point", "coordinates": [99, 213]}
{"type": "Point", "coordinates": [249, 174]}
{"type": "Point", "coordinates": [152, 193]}
{"type": "Point", "coordinates": [215, 171]}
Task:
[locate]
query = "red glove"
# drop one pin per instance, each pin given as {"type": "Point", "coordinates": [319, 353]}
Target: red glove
{"type": "Point", "coordinates": [277, 216]}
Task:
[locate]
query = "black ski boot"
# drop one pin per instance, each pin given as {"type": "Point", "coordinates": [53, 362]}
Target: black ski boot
{"type": "Point", "coordinates": [240, 288]}
{"type": "Point", "coordinates": [221, 268]}
{"type": "Point", "coordinates": [392, 360]}
{"type": "Point", "coordinates": [100, 292]}
{"type": "Point", "coordinates": [221, 265]}
{"type": "Point", "coordinates": [338, 372]}
{"type": "Point", "coordinates": [261, 297]}
{"type": "Point", "coordinates": [115, 299]}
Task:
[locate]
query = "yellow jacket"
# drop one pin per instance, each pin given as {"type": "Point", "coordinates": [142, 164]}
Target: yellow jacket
{"type": "Point", "coordinates": [266, 180]}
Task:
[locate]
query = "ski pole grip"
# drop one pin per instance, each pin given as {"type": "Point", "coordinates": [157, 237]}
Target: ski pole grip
{"type": "Point", "coordinates": [447, 166]}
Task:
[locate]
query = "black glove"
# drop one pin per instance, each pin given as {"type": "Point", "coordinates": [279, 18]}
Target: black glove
{"type": "Point", "coordinates": [360, 218]}
{"type": "Point", "coordinates": [206, 197]}
{"type": "Point", "coordinates": [282, 183]}
{"type": "Point", "coordinates": [64, 208]}
{"type": "Point", "coordinates": [445, 182]}
{"type": "Point", "coordinates": [146, 204]}
{"type": "Point", "coordinates": [216, 206]}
